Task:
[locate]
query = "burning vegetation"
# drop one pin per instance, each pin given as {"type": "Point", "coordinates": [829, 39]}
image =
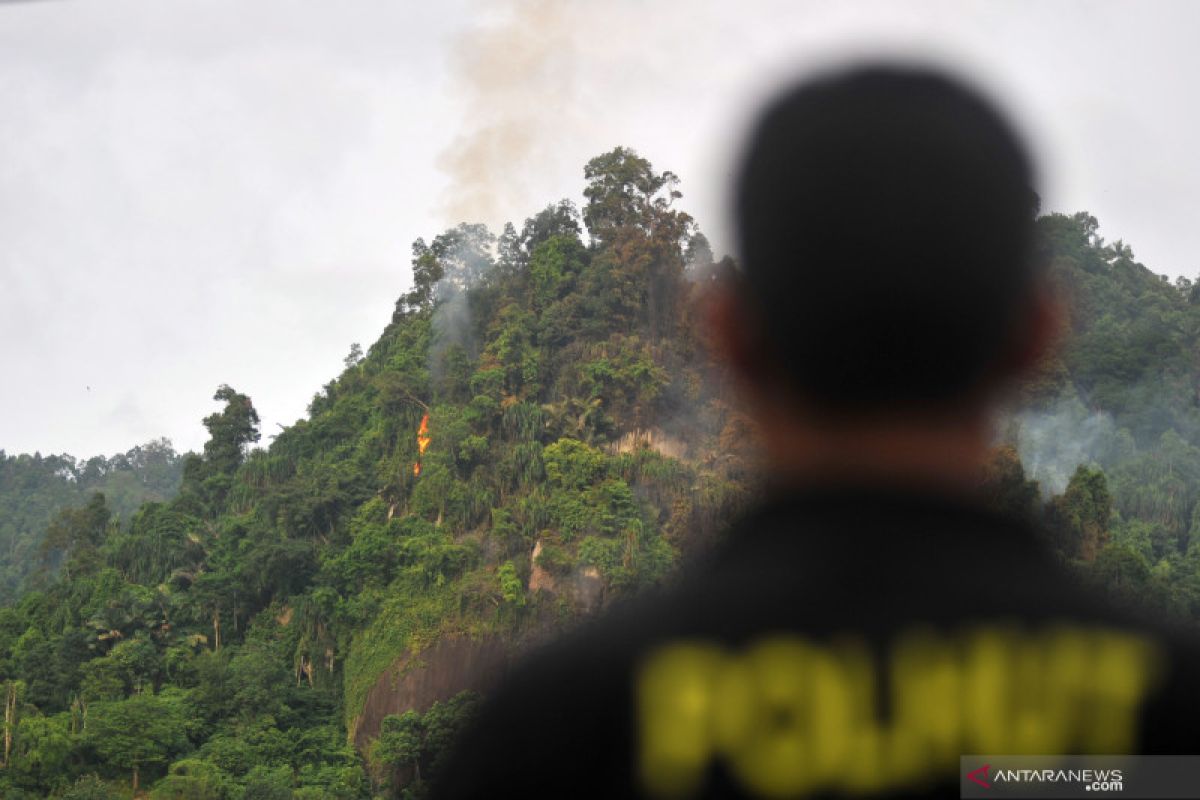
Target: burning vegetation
{"type": "Point", "coordinates": [422, 443]}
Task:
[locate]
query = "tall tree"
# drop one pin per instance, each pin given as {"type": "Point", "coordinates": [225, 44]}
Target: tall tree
{"type": "Point", "coordinates": [230, 431]}
{"type": "Point", "coordinates": [76, 534]}
{"type": "Point", "coordinates": [141, 731]}
{"type": "Point", "coordinates": [1080, 516]}
{"type": "Point", "coordinates": [623, 190]}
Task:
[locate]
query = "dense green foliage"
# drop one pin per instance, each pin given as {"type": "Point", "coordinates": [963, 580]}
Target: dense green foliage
{"type": "Point", "coordinates": [416, 743]}
{"type": "Point", "coordinates": [1112, 423]}
{"type": "Point", "coordinates": [33, 488]}
{"type": "Point", "coordinates": [222, 642]}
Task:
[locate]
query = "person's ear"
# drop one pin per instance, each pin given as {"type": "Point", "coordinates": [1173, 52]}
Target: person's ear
{"type": "Point", "coordinates": [734, 332]}
{"type": "Point", "coordinates": [1041, 331]}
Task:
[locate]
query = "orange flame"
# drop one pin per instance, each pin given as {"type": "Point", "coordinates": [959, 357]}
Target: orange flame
{"type": "Point", "coordinates": [423, 435]}
{"type": "Point", "coordinates": [422, 443]}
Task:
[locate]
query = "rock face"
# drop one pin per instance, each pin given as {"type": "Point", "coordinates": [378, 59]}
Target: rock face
{"type": "Point", "coordinates": [653, 438]}
{"type": "Point", "coordinates": [456, 664]}
{"type": "Point", "coordinates": [539, 578]}
{"type": "Point", "coordinates": [440, 671]}
{"type": "Point", "coordinates": [584, 586]}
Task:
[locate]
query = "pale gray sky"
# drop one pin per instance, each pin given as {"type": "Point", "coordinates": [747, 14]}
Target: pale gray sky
{"type": "Point", "coordinates": [200, 192]}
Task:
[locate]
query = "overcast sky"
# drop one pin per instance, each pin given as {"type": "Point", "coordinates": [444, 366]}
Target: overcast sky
{"type": "Point", "coordinates": [200, 192]}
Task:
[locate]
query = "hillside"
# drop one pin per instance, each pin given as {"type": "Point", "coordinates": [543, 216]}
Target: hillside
{"type": "Point", "coordinates": [1112, 424]}
{"type": "Point", "coordinates": [537, 432]}
{"type": "Point", "coordinates": [33, 488]}
{"type": "Point", "coordinates": [242, 626]}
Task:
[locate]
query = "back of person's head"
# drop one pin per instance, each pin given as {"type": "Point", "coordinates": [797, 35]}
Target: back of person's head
{"type": "Point", "coordinates": [886, 218]}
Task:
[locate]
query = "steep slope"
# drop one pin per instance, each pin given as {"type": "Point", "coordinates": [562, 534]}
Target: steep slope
{"type": "Point", "coordinates": [290, 598]}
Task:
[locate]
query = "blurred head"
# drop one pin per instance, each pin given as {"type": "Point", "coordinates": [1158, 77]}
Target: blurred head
{"type": "Point", "coordinates": [885, 217]}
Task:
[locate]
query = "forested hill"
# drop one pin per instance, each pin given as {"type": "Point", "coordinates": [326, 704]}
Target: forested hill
{"type": "Point", "coordinates": [1113, 422]}
{"type": "Point", "coordinates": [537, 431]}
{"type": "Point", "coordinates": [33, 488]}
{"type": "Point", "coordinates": [225, 643]}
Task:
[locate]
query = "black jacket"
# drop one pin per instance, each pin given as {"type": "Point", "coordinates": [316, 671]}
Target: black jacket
{"type": "Point", "coordinates": [842, 641]}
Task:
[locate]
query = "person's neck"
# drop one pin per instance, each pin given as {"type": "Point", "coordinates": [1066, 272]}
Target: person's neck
{"type": "Point", "coordinates": [933, 453]}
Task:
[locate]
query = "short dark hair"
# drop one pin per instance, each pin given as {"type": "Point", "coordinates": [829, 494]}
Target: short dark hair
{"type": "Point", "coordinates": [886, 224]}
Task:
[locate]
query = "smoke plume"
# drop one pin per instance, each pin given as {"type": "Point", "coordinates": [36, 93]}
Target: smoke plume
{"type": "Point", "coordinates": [515, 76]}
{"type": "Point", "coordinates": [1054, 442]}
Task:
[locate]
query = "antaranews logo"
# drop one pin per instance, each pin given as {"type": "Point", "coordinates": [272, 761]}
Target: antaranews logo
{"type": "Point", "coordinates": [1090, 780]}
{"type": "Point", "coordinates": [1079, 777]}
{"type": "Point", "coordinates": [1047, 776]}
{"type": "Point", "coordinates": [979, 776]}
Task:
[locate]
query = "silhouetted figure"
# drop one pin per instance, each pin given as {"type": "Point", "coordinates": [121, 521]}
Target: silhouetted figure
{"type": "Point", "coordinates": [872, 621]}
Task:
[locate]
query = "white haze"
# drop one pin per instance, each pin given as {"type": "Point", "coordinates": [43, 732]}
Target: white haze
{"type": "Point", "coordinates": [1053, 443]}
{"type": "Point", "coordinates": [212, 191]}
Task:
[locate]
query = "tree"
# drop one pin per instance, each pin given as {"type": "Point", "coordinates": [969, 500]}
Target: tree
{"type": "Point", "coordinates": [141, 731]}
{"type": "Point", "coordinates": [400, 741]}
{"type": "Point", "coordinates": [426, 272]}
{"type": "Point", "coordinates": [76, 535]}
{"type": "Point", "coordinates": [89, 787]}
{"type": "Point", "coordinates": [512, 588]}
{"type": "Point", "coordinates": [1080, 516]}
{"type": "Point", "coordinates": [268, 783]}
{"type": "Point", "coordinates": [354, 357]}
{"type": "Point", "coordinates": [420, 741]}
{"type": "Point", "coordinates": [572, 465]}
{"type": "Point", "coordinates": [231, 431]}
{"type": "Point", "coordinates": [554, 263]}
{"type": "Point", "coordinates": [698, 252]}
{"type": "Point", "coordinates": [556, 219]}
{"type": "Point", "coordinates": [1122, 571]}
{"type": "Point", "coordinates": [13, 694]}
{"type": "Point", "coordinates": [159, 541]}
{"type": "Point", "coordinates": [43, 747]}
{"type": "Point", "coordinates": [193, 779]}
{"type": "Point", "coordinates": [623, 190]}
{"type": "Point", "coordinates": [464, 253]}
{"type": "Point", "coordinates": [1005, 485]}
{"type": "Point", "coordinates": [638, 275]}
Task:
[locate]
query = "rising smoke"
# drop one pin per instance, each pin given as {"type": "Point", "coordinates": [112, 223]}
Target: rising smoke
{"type": "Point", "coordinates": [544, 85]}
{"type": "Point", "coordinates": [515, 75]}
{"type": "Point", "coordinates": [1054, 442]}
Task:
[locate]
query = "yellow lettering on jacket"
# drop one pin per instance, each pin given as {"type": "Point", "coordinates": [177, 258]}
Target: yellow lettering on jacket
{"type": "Point", "coordinates": [789, 716]}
